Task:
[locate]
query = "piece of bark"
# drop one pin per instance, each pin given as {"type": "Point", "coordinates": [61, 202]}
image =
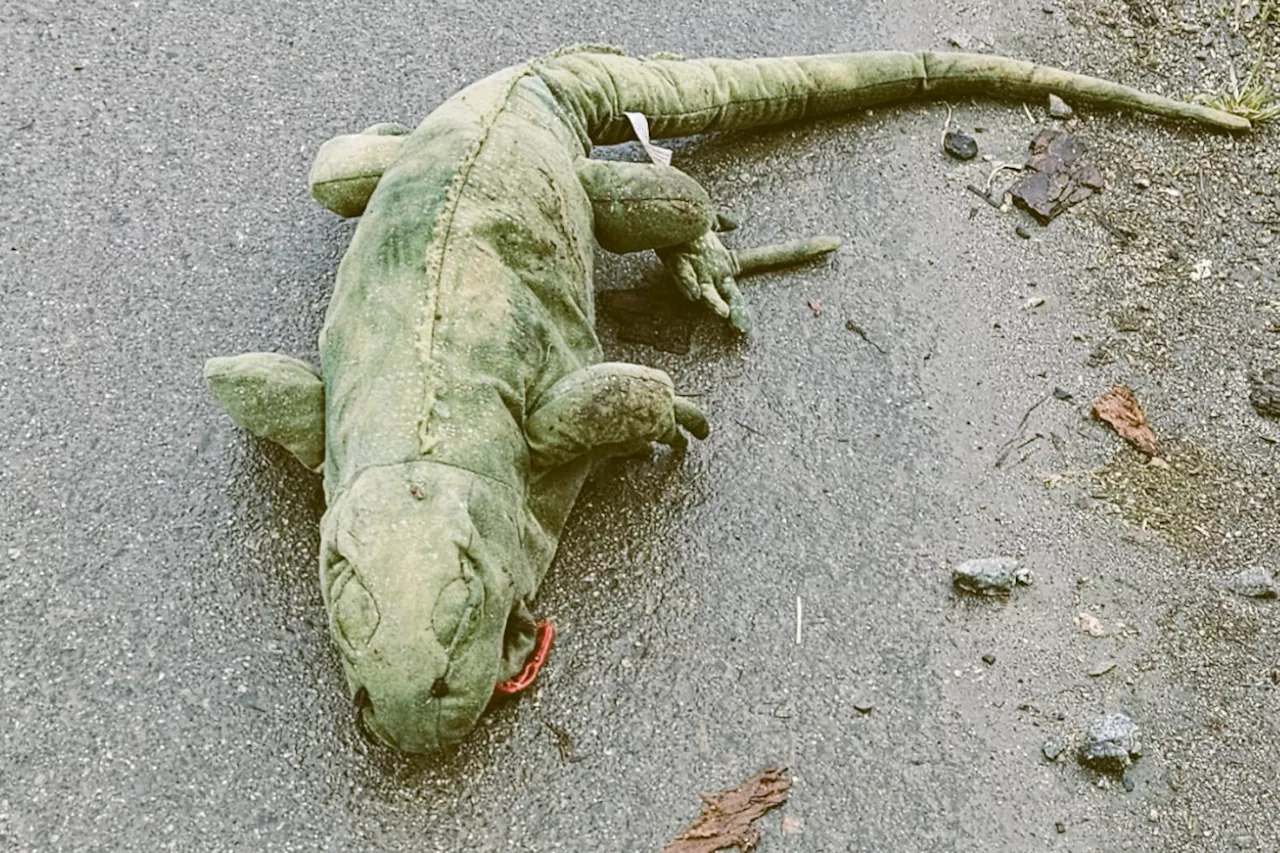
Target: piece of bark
{"type": "Point", "coordinates": [1055, 176]}
{"type": "Point", "coordinates": [1119, 408]}
{"type": "Point", "coordinates": [727, 818]}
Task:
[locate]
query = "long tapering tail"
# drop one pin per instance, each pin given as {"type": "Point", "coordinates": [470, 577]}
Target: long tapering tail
{"type": "Point", "coordinates": [684, 97]}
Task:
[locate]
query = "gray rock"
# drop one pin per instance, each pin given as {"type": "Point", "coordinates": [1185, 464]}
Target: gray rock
{"type": "Point", "coordinates": [962, 146]}
{"type": "Point", "coordinates": [1058, 108]}
{"type": "Point", "coordinates": [1258, 582]}
{"type": "Point", "coordinates": [1111, 743]}
{"type": "Point", "coordinates": [1052, 749]}
{"type": "Point", "coordinates": [989, 576]}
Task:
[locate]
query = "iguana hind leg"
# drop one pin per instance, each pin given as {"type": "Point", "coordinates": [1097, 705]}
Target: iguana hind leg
{"type": "Point", "coordinates": [639, 206]}
{"type": "Point", "coordinates": [609, 408]}
{"type": "Point", "coordinates": [348, 167]}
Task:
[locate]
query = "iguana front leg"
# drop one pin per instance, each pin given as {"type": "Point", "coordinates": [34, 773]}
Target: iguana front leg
{"type": "Point", "coordinates": [639, 206]}
{"type": "Point", "coordinates": [609, 408]}
{"type": "Point", "coordinates": [347, 168]}
{"type": "Point", "coordinates": [274, 397]}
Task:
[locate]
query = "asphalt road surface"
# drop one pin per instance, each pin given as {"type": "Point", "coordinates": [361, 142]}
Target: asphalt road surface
{"type": "Point", "coordinates": [168, 680]}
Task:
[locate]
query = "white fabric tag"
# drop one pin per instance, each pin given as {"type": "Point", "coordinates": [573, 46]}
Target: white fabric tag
{"type": "Point", "coordinates": [640, 124]}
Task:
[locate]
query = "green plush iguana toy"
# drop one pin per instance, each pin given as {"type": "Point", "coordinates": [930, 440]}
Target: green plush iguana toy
{"type": "Point", "coordinates": [462, 398]}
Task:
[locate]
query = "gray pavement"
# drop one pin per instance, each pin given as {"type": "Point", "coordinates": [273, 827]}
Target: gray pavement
{"type": "Point", "coordinates": [168, 682]}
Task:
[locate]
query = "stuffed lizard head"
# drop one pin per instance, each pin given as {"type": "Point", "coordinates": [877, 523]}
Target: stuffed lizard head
{"type": "Point", "coordinates": [423, 601]}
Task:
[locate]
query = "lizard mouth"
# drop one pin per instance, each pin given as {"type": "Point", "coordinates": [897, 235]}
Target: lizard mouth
{"type": "Point", "coordinates": [365, 724]}
{"type": "Point", "coordinates": [372, 730]}
{"type": "Point", "coordinates": [431, 716]}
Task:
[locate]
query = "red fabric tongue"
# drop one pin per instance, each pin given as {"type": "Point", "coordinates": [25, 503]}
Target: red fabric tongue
{"type": "Point", "coordinates": [543, 638]}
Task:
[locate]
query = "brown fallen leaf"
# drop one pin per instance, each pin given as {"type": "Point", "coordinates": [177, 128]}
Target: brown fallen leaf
{"type": "Point", "coordinates": [727, 818]}
{"type": "Point", "coordinates": [1119, 408]}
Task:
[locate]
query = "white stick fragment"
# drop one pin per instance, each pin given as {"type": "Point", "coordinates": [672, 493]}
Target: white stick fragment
{"type": "Point", "coordinates": [799, 617]}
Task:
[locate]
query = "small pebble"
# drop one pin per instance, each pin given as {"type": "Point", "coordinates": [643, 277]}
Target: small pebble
{"type": "Point", "coordinates": [1060, 827]}
{"type": "Point", "coordinates": [1102, 668]}
{"type": "Point", "coordinates": [1142, 182]}
{"type": "Point", "coordinates": [1154, 815]}
{"type": "Point", "coordinates": [1113, 743]}
{"type": "Point", "coordinates": [1022, 232]}
{"type": "Point", "coordinates": [1257, 582]}
{"type": "Point", "coordinates": [1089, 623]}
{"type": "Point", "coordinates": [1159, 462]}
{"type": "Point", "coordinates": [988, 576]}
{"type": "Point", "coordinates": [1062, 394]}
{"type": "Point", "coordinates": [960, 145]}
{"type": "Point", "coordinates": [1058, 108]}
{"type": "Point", "coordinates": [989, 660]}
{"type": "Point", "coordinates": [863, 706]}
{"type": "Point", "coordinates": [1035, 302]}
{"type": "Point", "coordinates": [1052, 749]}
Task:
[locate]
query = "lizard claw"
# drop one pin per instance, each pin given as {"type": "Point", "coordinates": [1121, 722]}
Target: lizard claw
{"type": "Point", "coordinates": [703, 270]}
{"type": "Point", "coordinates": [725, 222]}
{"type": "Point", "coordinates": [691, 418]}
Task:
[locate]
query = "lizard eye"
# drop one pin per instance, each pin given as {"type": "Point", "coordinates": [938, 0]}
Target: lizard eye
{"type": "Point", "coordinates": [331, 568]}
{"type": "Point", "coordinates": [458, 607]}
{"type": "Point", "coordinates": [355, 613]}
